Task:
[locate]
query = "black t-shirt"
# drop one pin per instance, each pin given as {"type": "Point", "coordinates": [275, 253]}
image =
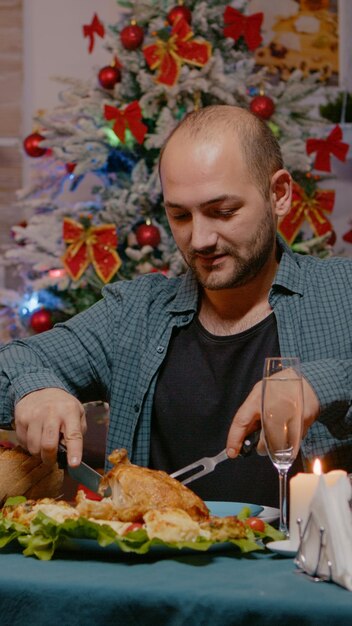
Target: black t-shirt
{"type": "Point", "coordinates": [203, 380]}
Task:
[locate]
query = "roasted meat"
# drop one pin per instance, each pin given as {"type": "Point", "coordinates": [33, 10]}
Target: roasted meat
{"type": "Point", "coordinates": [136, 490]}
{"type": "Point", "coordinates": [224, 528]}
{"type": "Point", "coordinates": [25, 512]}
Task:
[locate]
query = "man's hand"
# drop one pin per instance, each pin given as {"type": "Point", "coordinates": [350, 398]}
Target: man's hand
{"type": "Point", "coordinates": [43, 416]}
{"type": "Point", "coordinates": [247, 418]}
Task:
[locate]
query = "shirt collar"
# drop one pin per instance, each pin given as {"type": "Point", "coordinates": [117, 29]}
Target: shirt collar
{"type": "Point", "coordinates": [288, 276]}
{"type": "Point", "coordinates": [186, 298]}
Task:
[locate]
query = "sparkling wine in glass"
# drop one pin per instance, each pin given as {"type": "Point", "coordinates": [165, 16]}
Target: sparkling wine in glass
{"type": "Point", "coordinates": [282, 410]}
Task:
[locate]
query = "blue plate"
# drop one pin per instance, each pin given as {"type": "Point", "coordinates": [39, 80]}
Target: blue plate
{"type": "Point", "coordinates": [222, 509]}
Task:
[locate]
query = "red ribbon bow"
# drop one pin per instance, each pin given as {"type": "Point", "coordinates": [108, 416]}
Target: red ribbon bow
{"type": "Point", "coordinates": [168, 56]}
{"type": "Point", "coordinates": [348, 236]}
{"type": "Point", "coordinates": [130, 117]}
{"type": "Point", "coordinates": [325, 147]}
{"type": "Point", "coordinates": [237, 25]}
{"type": "Point", "coordinates": [95, 27]}
{"type": "Point", "coordinates": [96, 245]}
{"type": "Point", "coordinates": [311, 208]}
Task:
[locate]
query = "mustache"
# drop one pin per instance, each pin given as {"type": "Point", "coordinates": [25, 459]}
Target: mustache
{"type": "Point", "coordinates": [210, 251]}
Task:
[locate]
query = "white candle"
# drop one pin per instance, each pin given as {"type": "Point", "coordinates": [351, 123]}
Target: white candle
{"type": "Point", "coordinates": [302, 488]}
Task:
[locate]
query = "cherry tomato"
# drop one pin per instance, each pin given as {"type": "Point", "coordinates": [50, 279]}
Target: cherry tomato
{"type": "Point", "coordinates": [256, 524]}
{"type": "Point", "coordinates": [133, 527]}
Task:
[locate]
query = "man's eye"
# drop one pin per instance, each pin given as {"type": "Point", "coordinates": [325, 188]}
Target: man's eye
{"type": "Point", "coordinates": [226, 212]}
{"type": "Point", "coordinates": [180, 216]}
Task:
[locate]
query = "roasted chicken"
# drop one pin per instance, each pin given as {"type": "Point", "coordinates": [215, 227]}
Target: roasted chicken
{"type": "Point", "coordinates": [136, 490]}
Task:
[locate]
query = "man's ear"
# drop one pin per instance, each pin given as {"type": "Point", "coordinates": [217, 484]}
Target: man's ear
{"type": "Point", "coordinates": [281, 192]}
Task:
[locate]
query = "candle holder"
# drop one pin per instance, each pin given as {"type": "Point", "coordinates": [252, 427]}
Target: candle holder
{"type": "Point", "coordinates": [313, 573]}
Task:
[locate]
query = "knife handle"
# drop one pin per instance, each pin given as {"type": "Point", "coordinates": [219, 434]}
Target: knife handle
{"type": "Point", "coordinates": [62, 456]}
{"type": "Point", "coordinates": [250, 443]}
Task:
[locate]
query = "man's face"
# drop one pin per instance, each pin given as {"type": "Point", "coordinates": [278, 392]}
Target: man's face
{"type": "Point", "coordinates": [222, 225]}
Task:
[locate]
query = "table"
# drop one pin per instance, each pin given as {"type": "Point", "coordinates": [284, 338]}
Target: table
{"type": "Point", "coordinates": [103, 587]}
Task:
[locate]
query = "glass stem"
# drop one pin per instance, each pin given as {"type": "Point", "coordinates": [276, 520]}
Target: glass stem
{"type": "Point", "coordinates": [283, 502]}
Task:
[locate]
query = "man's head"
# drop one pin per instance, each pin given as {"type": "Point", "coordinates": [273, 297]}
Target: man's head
{"type": "Point", "coordinates": [260, 149]}
{"type": "Point", "coordinates": [224, 188]}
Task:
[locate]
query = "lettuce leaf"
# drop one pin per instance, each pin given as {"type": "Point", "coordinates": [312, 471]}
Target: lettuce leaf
{"type": "Point", "coordinates": [15, 500]}
{"type": "Point", "coordinates": [45, 535]}
{"type": "Point", "coordinates": [10, 530]}
{"type": "Point", "coordinates": [244, 513]}
{"type": "Point", "coordinates": [269, 534]}
{"type": "Point", "coordinates": [247, 545]}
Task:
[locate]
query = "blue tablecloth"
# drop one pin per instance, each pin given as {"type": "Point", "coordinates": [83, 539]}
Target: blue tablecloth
{"type": "Point", "coordinates": [106, 587]}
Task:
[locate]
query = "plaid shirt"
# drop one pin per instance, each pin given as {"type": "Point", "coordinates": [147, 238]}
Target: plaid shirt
{"type": "Point", "coordinates": [113, 351]}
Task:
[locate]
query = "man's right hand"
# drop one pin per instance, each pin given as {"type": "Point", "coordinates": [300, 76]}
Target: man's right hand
{"type": "Point", "coordinates": [43, 417]}
{"type": "Point", "coordinates": [247, 418]}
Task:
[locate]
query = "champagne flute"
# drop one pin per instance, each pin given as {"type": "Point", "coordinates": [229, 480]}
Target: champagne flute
{"type": "Point", "coordinates": [282, 411]}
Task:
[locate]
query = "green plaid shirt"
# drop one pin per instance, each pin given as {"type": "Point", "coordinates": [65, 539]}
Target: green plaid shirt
{"type": "Point", "coordinates": [113, 351]}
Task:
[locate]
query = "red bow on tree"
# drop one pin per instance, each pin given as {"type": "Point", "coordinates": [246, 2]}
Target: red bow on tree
{"type": "Point", "coordinates": [95, 27]}
{"type": "Point", "coordinates": [168, 54]}
{"type": "Point", "coordinates": [325, 147]}
{"type": "Point", "coordinates": [95, 244]}
{"type": "Point", "coordinates": [237, 25]}
{"type": "Point", "coordinates": [310, 208]}
{"type": "Point", "coordinates": [130, 117]}
{"type": "Point", "coordinates": [348, 236]}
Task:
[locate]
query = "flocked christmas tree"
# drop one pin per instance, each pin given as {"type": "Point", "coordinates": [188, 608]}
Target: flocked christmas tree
{"type": "Point", "coordinates": [166, 59]}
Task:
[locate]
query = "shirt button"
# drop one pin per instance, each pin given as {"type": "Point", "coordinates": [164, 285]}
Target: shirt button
{"type": "Point", "coordinates": [136, 408]}
{"type": "Point", "coordinates": [185, 318]}
{"type": "Point", "coordinates": [160, 349]}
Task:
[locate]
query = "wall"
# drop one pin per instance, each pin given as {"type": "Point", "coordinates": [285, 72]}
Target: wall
{"type": "Point", "coordinates": [54, 46]}
{"type": "Point", "coordinates": [10, 112]}
{"type": "Point", "coordinates": [39, 39]}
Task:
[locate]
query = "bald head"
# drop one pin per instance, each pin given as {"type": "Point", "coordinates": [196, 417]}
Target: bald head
{"type": "Point", "coordinates": [260, 150]}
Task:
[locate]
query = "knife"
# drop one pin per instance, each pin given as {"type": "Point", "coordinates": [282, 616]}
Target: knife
{"type": "Point", "coordinates": [90, 478]}
{"type": "Point", "coordinates": [82, 473]}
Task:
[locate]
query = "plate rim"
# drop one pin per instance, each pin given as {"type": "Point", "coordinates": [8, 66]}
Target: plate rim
{"type": "Point", "coordinates": [283, 547]}
{"type": "Point", "coordinates": [269, 514]}
{"type": "Point", "coordinates": [259, 508]}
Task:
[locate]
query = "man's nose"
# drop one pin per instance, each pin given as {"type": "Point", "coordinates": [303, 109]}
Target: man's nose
{"type": "Point", "coordinates": [203, 233]}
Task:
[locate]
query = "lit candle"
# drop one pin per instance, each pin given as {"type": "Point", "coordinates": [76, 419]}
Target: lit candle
{"type": "Point", "coordinates": [302, 488]}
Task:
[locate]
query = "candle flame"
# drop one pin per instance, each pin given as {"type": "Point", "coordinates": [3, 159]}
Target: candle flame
{"type": "Point", "coordinates": [317, 470]}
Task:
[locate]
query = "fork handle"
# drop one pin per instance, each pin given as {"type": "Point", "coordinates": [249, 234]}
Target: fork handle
{"type": "Point", "coordinates": [222, 456]}
{"type": "Point", "coordinates": [247, 446]}
{"type": "Point", "coordinates": [249, 443]}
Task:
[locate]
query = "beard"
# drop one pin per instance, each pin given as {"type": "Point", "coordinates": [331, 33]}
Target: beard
{"type": "Point", "coordinates": [245, 265]}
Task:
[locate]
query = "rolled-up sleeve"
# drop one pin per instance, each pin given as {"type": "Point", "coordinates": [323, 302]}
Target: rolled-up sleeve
{"type": "Point", "coordinates": [74, 356]}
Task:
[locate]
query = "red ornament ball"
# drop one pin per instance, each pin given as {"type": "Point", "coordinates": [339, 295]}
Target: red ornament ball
{"type": "Point", "coordinates": [132, 36]}
{"type": "Point", "coordinates": [179, 12]}
{"type": "Point", "coordinates": [41, 320]}
{"type": "Point", "coordinates": [160, 270]}
{"type": "Point", "coordinates": [22, 241]}
{"type": "Point", "coordinates": [32, 147]}
{"type": "Point", "coordinates": [263, 107]}
{"type": "Point", "coordinates": [148, 235]}
{"type": "Point", "coordinates": [332, 239]}
{"type": "Point", "coordinates": [109, 76]}
{"type": "Point", "coordinates": [70, 167]}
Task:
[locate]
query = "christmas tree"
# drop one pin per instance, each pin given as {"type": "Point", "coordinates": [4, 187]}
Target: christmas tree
{"type": "Point", "coordinates": [166, 60]}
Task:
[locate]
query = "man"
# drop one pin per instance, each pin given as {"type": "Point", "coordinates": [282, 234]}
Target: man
{"type": "Point", "coordinates": [179, 360]}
